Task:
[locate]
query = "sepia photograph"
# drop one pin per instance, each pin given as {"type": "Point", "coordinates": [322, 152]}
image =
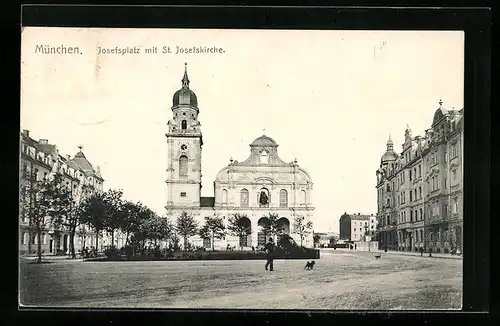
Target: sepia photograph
{"type": "Point", "coordinates": [241, 169]}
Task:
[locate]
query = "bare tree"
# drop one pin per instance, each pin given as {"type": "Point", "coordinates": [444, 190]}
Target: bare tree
{"type": "Point", "coordinates": [301, 228]}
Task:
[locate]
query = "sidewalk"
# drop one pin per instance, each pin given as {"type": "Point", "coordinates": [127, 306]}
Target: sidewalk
{"type": "Point", "coordinates": [401, 253]}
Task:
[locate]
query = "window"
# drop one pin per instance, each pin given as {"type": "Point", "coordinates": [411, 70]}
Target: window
{"type": "Point", "coordinates": [184, 125]}
{"type": "Point", "coordinates": [44, 238]}
{"type": "Point", "coordinates": [36, 174]}
{"type": "Point", "coordinates": [388, 188]}
{"type": "Point", "coordinates": [415, 193]}
{"type": "Point", "coordinates": [354, 229]}
{"type": "Point", "coordinates": [388, 202]}
{"type": "Point", "coordinates": [183, 166]}
{"type": "Point", "coordinates": [445, 182]}
{"type": "Point", "coordinates": [264, 158]}
{"type": "Point", "coordinates": [224, 196]}
{"type": "Point", "coordinates": [409, 174]}
{"type": "Point", "coordinates": [454, 172]}
{"type": "Point", "coordinates": [24, 238]}
{"type": "Point", "coordinates": [283, 198]}
{"type": "Point", "coordinates": [207, 243]}
{"type": "Point", "coordinates": [183, 194]}
{"type": "Point", "coordinates": [420, 192]}
{"type": "Point", "coordinates": [411, 195]}
{"type": "Point", "coordinates": [244, 198]}
{"type": "Point", "coordinates": [411, 216]}
{"type": "Point", "coordinates": [304, 196]}
{"type": "Point", "coordinates": [419, 171]}
{"type": "Point", "coordinates": [421, 212]}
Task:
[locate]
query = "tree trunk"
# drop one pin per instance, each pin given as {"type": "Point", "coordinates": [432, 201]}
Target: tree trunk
{"type": "Point", "coordinates": [72, 233]}
{"type": "Point", "coordinates": [39, 245]}
{"type": "Point", "coordinates": [97, 240]}
{"type": "Point", "coordinates": [301, 237]}
{"type": "Point", "coordinates": [126, 239]}
{"type": "Point", "coordinates": [112, 238]}
{"type": "Point", "coordinates": [185, 243]}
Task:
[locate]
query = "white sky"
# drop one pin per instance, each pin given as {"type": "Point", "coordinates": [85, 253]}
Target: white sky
{"type": "Point", "coordinates": [329, 98]}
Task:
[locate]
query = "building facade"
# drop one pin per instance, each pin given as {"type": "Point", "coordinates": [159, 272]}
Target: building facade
{"type": "Point", "coordinates": [419, 191]}
{"type": "Point", "coordinates": [357, 227]}
{"type": "Point", "coordinates": [39, 160]}
{"type": "Point", "coordinates": [256, 187]}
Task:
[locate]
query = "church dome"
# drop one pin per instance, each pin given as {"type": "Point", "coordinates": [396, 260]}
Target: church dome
{"type": "Point", "coordinates": [185, 96]}
{"type": "Point", "coordinates": [264, 141]}
{"type": "Point", "coordinates": [389, 156]}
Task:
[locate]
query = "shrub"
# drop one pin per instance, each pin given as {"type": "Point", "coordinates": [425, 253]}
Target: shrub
{"type": "Point", "coordinates": [112, 253]}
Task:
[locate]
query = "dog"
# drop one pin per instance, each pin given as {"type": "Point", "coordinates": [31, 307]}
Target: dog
{"type": "Point", "coordinates": [377, 256]}
{"type": "Point", "coordinates": [310, 265]}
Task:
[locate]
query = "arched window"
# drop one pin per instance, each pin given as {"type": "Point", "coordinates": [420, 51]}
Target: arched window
{"type": "Point", "coordinates": [184, 125]}
{"type": "Point", "coordinates": [304, 197]}
{"type": "Point", "coordinates": [283, 198]}
{"type": "Point", "coordinates": [421, 236]}
{"type": "Point", "coordinates": [183, 166]}
{"type": "Point", "coordinates": [388, 187]}
{"type": "Point", "coordinates": [244, 198]}
{"type": "Point", "coordinates": [224, 196]}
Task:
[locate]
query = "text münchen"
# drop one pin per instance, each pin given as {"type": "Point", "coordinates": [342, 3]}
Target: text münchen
{"type": "Point", "coordinates": [47, 49]}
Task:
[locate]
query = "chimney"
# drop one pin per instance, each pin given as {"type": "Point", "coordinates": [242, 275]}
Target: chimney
{"type": "Point", "coordinates": [26, 132]}
{"type": "Point", "coordinates": [43, 141]}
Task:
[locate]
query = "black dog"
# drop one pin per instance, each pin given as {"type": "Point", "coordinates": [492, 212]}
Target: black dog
{"type": "Point", "coordinates": [310, 265]}
{"type": "Point", "coordinates": [377, 256]}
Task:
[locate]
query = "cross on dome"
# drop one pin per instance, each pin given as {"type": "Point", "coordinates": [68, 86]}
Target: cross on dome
{"type": "Point", "coordinates": [80, 147]}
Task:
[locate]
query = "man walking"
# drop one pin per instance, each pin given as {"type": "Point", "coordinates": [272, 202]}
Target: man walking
{"type": "Point", "coordinates": [270, 254]}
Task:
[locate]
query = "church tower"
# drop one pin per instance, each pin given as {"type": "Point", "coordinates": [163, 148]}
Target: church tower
{"type": "Point", "coordinates": [184, 142]}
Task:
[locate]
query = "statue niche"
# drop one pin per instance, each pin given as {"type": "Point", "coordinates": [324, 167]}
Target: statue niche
{"type": "Point", "coordinates": [264, 198]}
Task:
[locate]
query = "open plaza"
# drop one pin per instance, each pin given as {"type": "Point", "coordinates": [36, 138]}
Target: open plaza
{"type": "Point", "coordinates": [341, 279]}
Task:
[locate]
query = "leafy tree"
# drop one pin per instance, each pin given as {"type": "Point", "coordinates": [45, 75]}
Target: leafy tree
{"type": "Point", "coordinates": [132, 218]}
{"type": "Point", "coordinates": [156, 228]}
{"type": "Point", "coordinates": [186, 226]}
{"type": "Point", "coordinates": [301, 227]}
{"type": "Point", "coordinates": [213, 228]}
{"type": "Point", "coordinates": [271, 226]}
{"type": "Point", "coordinates": [93, 212]}
{"type": "Point", "coordinates": [71, 218]}
{"type": "Point", "coordinates": [114, 214]}
{"type": "Point", "coordinates": [49, 199]}
{"type": "Point", "coordinates": [238, 226]}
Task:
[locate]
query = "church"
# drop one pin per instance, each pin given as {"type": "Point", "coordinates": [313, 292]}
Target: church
{"type": "Point", "coordinates": [259, 185]}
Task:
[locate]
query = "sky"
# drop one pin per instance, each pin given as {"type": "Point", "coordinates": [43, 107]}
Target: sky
{"type": "Point", "coordinates": [330, 99]}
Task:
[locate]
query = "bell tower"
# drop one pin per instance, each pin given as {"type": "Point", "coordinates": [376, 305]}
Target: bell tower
{"type": "Point", "coordinates": [184, 142]}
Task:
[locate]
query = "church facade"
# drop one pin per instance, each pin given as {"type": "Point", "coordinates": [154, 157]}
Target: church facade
{"type": "Point", "coordinates": [260, 185]}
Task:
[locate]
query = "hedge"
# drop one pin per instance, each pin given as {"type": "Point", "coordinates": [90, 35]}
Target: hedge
{"type": "Point", "coordinates": [298, 253]}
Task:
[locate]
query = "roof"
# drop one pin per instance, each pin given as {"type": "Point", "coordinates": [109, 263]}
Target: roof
{"type": "Point", "coordinates": [264, 141]}
{"type": "Point", "coordinates": [389, 156]}
{"type": "Point", "coordinates": [207, 201]}
{"type": "Point", "coordinates": [358, 216]}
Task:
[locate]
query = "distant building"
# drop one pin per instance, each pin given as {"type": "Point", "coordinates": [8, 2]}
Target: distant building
{"type": "Point", "coordinates": [420, 191]}
{"type": "Point", "coordinates": [326, 239]}
{"type": "Point", "coordinates": [261, 184]}
{"type": "Point", "coordinates": [354, 227]}
{"type": "Point", "coordinates": [38, 160]}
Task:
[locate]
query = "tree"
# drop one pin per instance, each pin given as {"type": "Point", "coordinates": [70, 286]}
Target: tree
{"type": "Point", "coordinates": [49, 200]}
{"type": "Point", "coordinates": [271, 226]}
{"type": "Point", "coordinates": [93, 212]}
{"type": "Point", "coordinates": [186, 226]}
{"type": "Point", "coordinates": [213, 228]}
{"type": "Point", "coordinates": [114, 214]}
{"type": "Point", "coordinates": [238, 226]}
{"type": "Point", "coordinates": [156, 228]}
{"type": "Point", "coordinates": [301, 227]}
{"type": "Point", "coordinates": [71, 218]}
{"type": "Point", "coordinates": [132, 218]}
